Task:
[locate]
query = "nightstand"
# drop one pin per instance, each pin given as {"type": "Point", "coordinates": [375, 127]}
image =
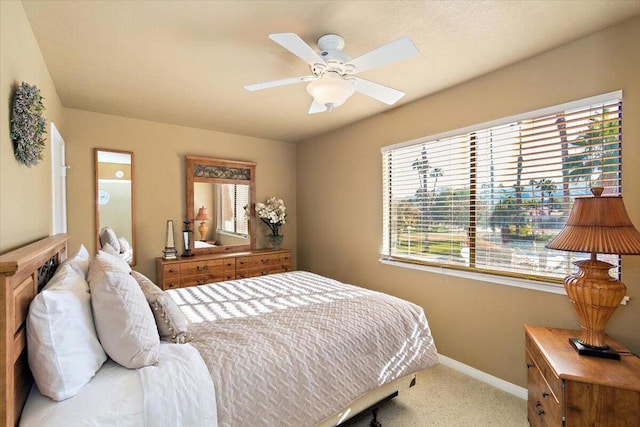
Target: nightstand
{"type": "Point", "coordinates": [566, 389]}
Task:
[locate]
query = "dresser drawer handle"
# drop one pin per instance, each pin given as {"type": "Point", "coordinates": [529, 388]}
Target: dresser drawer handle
{"type": "Point", "coordinates": [171, 270]}
{"type": "Point", "coordinates": [200, 282]}
{"type": "Point", "coordinates": [172, 285]}
{"type": "Point", "coordinates": [545, 394]}
{"type": "Point", "coordinates": [202, 268]}
{"type": "Point", "coordinates": [264, 260]}
{"type": "Point", "coordinates": [540, 412]}
{"type": "Point", "coordinates": [529, 366]}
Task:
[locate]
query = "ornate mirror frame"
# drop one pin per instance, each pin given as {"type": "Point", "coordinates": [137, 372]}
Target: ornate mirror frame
{"type": "Point", "coordinates": [114, 198]}
{"type": "Point", "coordinates": [220, 171]}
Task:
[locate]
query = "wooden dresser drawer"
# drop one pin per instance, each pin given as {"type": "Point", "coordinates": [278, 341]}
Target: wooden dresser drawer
{"type": "Point", "coordinates": [211, 277]}
{"type": "Point", "coordinates": [168, 276]}
{"type": "Point", "coordinates": [229, 269]}
{"type": "Point", "coordinates": [198, 268]}
{"type": "Point", "coordinates": [543, 408]}
{"type": "Point", "coordinates": [202, 269]}
{"type": "Point", "coordinates": [259, 271]}
{"type": "Point", "coordinates": [258, 261]}
{"type": "Point", "coordinates": [286, 261]}
{"type": "Point", "coordinates": [170, 284]}
{"type": "Point", "coordinates": [201, 272]}
{"type": "Point", "coordinates": [171, 271]}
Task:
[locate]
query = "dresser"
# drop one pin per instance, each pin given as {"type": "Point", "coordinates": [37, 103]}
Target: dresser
{"type": "Point", "coordinates": [566, 389]}
{"type": "Point", "coordinates": [209, 268]}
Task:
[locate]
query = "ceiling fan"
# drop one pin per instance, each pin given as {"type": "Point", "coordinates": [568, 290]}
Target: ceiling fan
{"type": "Point", "coordinates": [332, 80]}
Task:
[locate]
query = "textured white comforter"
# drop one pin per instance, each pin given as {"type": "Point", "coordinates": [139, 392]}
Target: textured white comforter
{"type": "Point", "coordinates": [291, 349]}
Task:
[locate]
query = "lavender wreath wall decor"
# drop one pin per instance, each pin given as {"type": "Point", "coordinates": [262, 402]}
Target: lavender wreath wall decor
{"type": "Point", "coordinates": [28, 125]}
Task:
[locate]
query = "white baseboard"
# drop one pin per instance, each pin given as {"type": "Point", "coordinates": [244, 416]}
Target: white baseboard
{"type": "Point", "coordinates": [503, 385]}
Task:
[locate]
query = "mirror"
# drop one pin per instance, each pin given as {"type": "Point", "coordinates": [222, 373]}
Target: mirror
{"type": "Point", "coordinates": [220, 204]}
{"type": "Point", "coordinates": [114, 202]}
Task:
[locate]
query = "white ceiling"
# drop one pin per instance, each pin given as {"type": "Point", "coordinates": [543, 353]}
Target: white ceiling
{"type": "Point", "coordinates": [186, 62]}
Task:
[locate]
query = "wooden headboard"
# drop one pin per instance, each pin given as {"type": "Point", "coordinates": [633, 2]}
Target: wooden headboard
{"type": "Point", "coordinates": [23, 272]}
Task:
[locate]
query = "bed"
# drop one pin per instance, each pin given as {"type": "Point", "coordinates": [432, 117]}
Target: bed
{"type": "Point", "coordinates": [292, 349]}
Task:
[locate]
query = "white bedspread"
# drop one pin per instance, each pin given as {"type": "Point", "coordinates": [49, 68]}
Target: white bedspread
{"type": "Point", "coordinates": [291, 349]}
{"type": "Point", "coordinates": [176, 392]}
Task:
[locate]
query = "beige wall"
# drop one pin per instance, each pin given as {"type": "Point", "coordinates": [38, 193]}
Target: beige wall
{"type": "Point", "coordinates": [25, 193]}
{"type": "Point", "coordinates": [476, 323]}
{"type": "Point", "coordinates": [334, 201]}
{"type": "Point", "coordinates": [159, 175]}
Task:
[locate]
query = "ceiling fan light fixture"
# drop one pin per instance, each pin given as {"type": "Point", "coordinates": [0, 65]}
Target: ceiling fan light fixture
{"type": "Point", "coordinates": [331, 90]}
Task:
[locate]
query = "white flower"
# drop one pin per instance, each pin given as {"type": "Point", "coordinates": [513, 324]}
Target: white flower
{"type": "Point", "coordinates": [273, 213]}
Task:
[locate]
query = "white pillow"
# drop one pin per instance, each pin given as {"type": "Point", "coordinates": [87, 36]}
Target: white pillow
{"type": "Point", "coordinates": [124, 244]}
{"type": "Point", "coordinates": [109, 249]}
{"type": "Point", "coordinates": [171, 323]}
{"type": "Point", "coordinates": [123, 318]}
{"type": "Point", "coordinates": [107, 235]}
{"type": "Point", "coordinates": [114, 261]}
{"type": "Point", "coordinates": [63, 348]}
{"type": "Point", "coordinates": [79, 261]}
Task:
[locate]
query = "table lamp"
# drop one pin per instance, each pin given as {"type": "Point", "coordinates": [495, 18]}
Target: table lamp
{"type": "Point", "coordinates": [596, 225]}
{"type": "Point", "coordinates": [203, 216]}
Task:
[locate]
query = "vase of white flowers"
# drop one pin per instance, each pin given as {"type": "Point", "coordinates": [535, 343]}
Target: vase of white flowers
{"type": "Point", "coordinates": [274, 214]}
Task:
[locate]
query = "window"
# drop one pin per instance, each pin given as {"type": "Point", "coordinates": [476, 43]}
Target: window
{"type": "Point", "coordinates": [488, 198]}
{"type": "Point", "coordinates": [232, 200]}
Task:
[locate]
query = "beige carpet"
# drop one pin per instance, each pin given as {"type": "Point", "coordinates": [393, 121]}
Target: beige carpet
{"type": "Point", "coordinates": [445, 397]}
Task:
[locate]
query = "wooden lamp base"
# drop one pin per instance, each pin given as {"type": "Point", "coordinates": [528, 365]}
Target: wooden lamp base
{"type": "Point", "coordinates": [595, 295]}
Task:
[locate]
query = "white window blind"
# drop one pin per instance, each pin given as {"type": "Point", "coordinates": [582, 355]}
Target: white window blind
{"type": "Point", "coordinates": [488, 198]}
{"type": "Point", "coordinates": [233, 199]}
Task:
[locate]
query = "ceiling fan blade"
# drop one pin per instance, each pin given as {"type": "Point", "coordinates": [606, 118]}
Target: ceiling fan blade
{"type": "Point", "coordinates": [316, 107]}
{"type": "Point", "coordinates": [276, 83]}
{"type": "Point", "coordinates": [399, 50]}
{"type": "Point", "coordinates": [298, 47]}
{"type": "Point", "coordinates": [377, 91]}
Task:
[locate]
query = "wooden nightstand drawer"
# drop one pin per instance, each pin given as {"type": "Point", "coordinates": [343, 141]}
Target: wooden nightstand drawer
{"type": "Point", "coordinates": [550, 377]}
{"type": "Point", "coordinates": [542, 406]}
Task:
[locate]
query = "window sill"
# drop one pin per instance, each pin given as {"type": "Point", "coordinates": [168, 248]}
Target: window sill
{"type": "Point", "coordinates": [231, 234]}
{"type": "Point", "coordinates": [483, 277]}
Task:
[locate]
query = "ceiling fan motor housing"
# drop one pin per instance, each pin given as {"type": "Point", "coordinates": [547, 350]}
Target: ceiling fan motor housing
{"type": "Point", "coordinates": [331, 46]}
